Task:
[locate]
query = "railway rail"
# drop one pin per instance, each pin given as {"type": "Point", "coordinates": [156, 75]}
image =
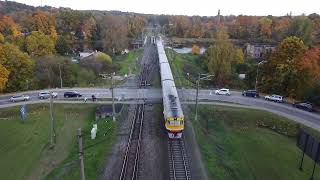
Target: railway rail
{"type": "Point", "coordinates": [130, 165]}
{"type": "Point", "coordinates": [178, 162]}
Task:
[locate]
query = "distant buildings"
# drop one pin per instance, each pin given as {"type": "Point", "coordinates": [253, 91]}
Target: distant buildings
{"type": "Point", "coordinates": [258, 50]}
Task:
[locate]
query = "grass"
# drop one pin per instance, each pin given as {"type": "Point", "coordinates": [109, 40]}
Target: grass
{"type": "Point", "coordinates": [238, 147]}
{"type": "Point", "coordinates": [25, 152]}
{"type": "Point", "coordinates": [181, 64]}
{"type": "Point", "coordinates": [127, 63]}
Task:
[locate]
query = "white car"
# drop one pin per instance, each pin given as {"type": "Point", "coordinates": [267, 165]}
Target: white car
{"type": "Point", "coordinates": [223, 92]}
{"type": "Point", "coordinates": [46, 95]}
{"type": "Point", "coordinates": [274, 97]}
{"type": "Point", "coordinates": [19, 98]}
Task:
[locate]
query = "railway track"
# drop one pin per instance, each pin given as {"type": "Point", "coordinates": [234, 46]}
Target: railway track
{"type": "Point", "coordinates": [130, 165]}
{"type": "Point", "coordinates": [178, 162]}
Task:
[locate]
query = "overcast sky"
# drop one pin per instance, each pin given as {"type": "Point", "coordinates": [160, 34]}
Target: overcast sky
{"type": "Point", "coordinates": [191, 7]}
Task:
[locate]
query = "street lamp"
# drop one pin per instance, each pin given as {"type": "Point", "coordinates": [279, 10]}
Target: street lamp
{"type": "Point", "coordinates": [262, 62]}
{"type": "Point", "coordinates": [204, 77]}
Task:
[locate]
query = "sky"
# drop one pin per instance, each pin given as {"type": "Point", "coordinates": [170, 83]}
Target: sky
{"type": "Point", "coordinates": [190, 7]}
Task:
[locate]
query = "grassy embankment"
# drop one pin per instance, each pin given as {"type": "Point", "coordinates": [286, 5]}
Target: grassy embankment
{"type": "Point", "coordinates": [181, 64]}
{"type": "Point", "coordinates": [249, 144]}
{"type": "Point", "coordinates": [124, 64]}
{"type": "Point", "coordinates": [25, 152]}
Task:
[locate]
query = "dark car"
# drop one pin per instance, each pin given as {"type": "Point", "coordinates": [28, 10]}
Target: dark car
{"type": "Point", "coordinates": [304, 105]}
{"type": "Point", "coordinates": [72, 94]}
{"type": "Point", "coordinates": [250, 93]}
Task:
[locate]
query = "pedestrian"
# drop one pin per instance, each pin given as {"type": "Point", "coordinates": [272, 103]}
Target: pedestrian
{"type": "Point", "coordinates": [85, 99]}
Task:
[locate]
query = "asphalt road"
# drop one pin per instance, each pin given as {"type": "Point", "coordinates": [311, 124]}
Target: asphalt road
{"type": "Point", "coordinates": [129, 96]}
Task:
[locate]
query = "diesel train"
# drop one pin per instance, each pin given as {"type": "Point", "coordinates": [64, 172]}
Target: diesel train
{"type": "Point", "coordinates": [172, 111]}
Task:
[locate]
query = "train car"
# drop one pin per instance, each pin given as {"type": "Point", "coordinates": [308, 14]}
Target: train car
{"type": "Point", "coordinates": [172, 111]}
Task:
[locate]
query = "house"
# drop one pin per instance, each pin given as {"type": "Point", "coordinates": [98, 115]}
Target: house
{"type": "Point", "coordinates": [86, 54]}
{"type": "Point", "coordinates": [104, 111]}
{"type": "Point", "coordinates": [258, 50]}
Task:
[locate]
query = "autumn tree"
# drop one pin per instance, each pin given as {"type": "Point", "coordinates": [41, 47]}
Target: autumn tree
{"type": "Point", "coordinates": [310, 65]}
{"type": "Point", "coordinates": [39, 44]}
{"type": "Point", "coordinates": [265, 26]}
{"type": "Point", "coordinates": [8, 27]}
{"type": "Point", "coordinates": [18, 64]}
{"type": "Point", "coordinates": [195, 49]}
{"type": "Point", "coordinates": [1, 38]}
{"type": "Point", "coordinates": [114, 33]}
{"type": "Point", "coordinates": [238, 56]}
{"type": "Point", "coordinates": [4, 77]}
{"type": "Point", "coordinates": [42, 22]}
{"type": "Point", "coordinates": [281, 73]}
{"type": "Point", "coordinates": [135, 26]}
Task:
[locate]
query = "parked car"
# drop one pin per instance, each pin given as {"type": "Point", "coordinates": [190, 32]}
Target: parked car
{"type": "Point", "coordinates": [19, 98]}
{"type": "Point", "coordinates": [72, 94]}
{"type": "Point", "coordinates": [274, 97]}
{"type": "Point", "coordinates": [46, 95]}
{"type": "Point", "coordinates": [223, 91]}
{"type": "Point", "coordinates": [250, 93]}
{"type": "Point", "coordinates": [307, 106]}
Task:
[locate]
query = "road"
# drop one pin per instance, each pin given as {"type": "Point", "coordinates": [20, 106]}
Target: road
{"type": "Point", "coordinates": [130, 96]}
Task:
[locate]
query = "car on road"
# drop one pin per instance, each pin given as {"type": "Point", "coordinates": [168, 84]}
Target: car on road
{"type": "Point", "coordinates": [223, 91]}
{"type": "Point", "coordinates": [46, 95]}
{"type": "Point", "coordinates": [274, 97]}
{"type": "Point", "coordinates": [307, 106]}
{"type": "Point", "coordinates": [250, 93]}
{"type": "Point", "coordinates": [72, 94]}
{"type": "Point", "coordinates": [19, 98]}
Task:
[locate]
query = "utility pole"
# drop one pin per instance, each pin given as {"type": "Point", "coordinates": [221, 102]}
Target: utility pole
{"type": "Point", "coordinates": [60, 77]}
{"type": "Point", "coordinates": [257, 74]}
{"type": "Point", "coordinates": [197, 94]}
{"type": "Point", "coordinates": [105, 76]}
{"type": "Point", "coordinates": [52, 129]}
{"type": "Point", "coordinates": [205, 77]}
{"type": "Point", "coordinates": [81, 154]}
{"type": "Point", "coordinates": [112, 92]}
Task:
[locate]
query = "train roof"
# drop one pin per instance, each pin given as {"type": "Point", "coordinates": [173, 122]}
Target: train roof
{"type": "Point", "coordinates": [171, 101]}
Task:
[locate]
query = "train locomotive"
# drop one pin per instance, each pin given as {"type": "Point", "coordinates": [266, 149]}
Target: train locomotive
{"type": "Point", "coordinates": [172, 111]}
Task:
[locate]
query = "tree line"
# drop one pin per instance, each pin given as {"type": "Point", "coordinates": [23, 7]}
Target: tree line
{"type": "Point", "coordinates": [267, 29]}
{"type": "Point", "coordinates": [36, 46]}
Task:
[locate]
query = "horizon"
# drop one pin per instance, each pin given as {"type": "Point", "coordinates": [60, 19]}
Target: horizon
{"type": "Point", "coordinates": [187, 8]}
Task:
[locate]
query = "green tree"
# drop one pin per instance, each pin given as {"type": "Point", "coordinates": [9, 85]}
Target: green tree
{"type": "Point", "coordinates": [62, 46]}
{"type": "Point", "coordinates": [47, 72]}
{"type": "Point", "coordinates": [220, 56]}
{"type": "Point", "coordinates": [18, 64]}
{"type": "Point", "coordinates": [301, 27]}
{"type": "Point", "coordinates": [281, 73]}
{"type": "Point", "coordinates": [99, 63]}
{"type": "Point", "coordinates": [39, 44]}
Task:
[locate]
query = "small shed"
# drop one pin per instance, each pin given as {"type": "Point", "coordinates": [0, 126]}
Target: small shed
{"type": "Point", "coordinates": [104, 111]}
